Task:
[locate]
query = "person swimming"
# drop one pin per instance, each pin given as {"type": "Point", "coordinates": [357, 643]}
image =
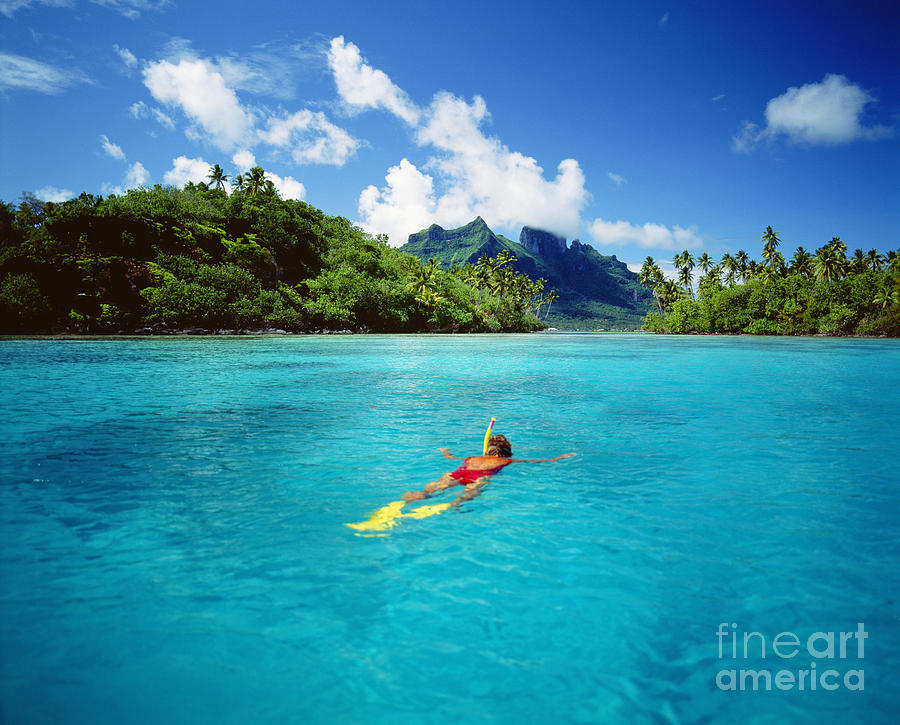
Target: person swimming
{"type": "Point", "coordinates": [475, 471]}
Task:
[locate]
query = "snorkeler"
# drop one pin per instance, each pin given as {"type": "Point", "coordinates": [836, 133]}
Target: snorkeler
{"type": "Point", "coordinates": [475, 472]}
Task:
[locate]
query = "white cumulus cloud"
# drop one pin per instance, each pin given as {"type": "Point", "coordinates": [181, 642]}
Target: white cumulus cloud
{"type": "Point", "coordinates": [650, 235]}
{"type": "Point", "coordinates": [405, 205]}
{"type": "Point", "coordinates": [244, 160]}
{"type": "Point", "coordinates": [825, 113]}
{"type": "Point", "coordinates": [136, 175]}
{"type": "Point", "coordinates": [185, 169]}
{"type": "Point", "coordinates": [205, 91]}
{"type": "Point", "coordinates": [311, 138]}
{"type": "Point", "coordinates": [51, 193]}
{"type": "Point", "coordinates": [361, 86]}
{"type": "Point", "coordinates": [479, 176]}
{"type": "Point", "coordinates": [112, 149]}
{"type": "Point", "coordinates": [288, 187]}
{"type": "Point", "coordinates": [470, 173]}
{"type": "Point", "coordinates": [195, 86]}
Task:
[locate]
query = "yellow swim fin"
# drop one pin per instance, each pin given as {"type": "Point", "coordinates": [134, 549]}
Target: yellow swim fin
{"type": "Point", "coordinates": [384, 518]}
{"type": "Point", "coordinates": [423, 512]}
{"type": "Point", "coordinates": [389, 516]}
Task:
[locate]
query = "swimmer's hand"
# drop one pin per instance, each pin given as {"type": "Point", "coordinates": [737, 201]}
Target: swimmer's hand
{"type": "Point", "coordinates": [447, 454]}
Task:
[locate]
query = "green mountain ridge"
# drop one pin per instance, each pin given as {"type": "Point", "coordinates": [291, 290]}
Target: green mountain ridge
{"type": "Point", "coordinates": [595, 290]}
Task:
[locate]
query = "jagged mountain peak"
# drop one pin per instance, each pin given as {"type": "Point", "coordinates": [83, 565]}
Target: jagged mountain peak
{"type": "Point", "coordinates": [590, 285]}
{"type": "Point", "coordinates": [538, 241]}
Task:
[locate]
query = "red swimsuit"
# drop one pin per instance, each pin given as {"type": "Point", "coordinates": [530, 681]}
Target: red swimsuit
{"type": "Point", "coordinates": [470, 475]}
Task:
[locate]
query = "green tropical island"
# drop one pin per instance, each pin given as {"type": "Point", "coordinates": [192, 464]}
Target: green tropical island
{"type": "Point", "coordinates": [198, 259]}
{"type": "Point", "coordinates": [825, 293]}
{"type": "Point", "coordinates": [201, 260]}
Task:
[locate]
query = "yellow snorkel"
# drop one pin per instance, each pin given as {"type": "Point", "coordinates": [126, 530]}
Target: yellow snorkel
{"type": "Point", "coordinates": [487, 436]}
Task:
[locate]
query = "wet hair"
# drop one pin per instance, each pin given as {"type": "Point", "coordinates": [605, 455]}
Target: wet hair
{"type": "Point", "coordinates": [499, 446]}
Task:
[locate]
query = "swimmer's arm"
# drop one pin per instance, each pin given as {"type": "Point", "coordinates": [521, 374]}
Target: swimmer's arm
{"type": "Point", "coordinates": [541, 460]}
{"type": "Point", "coordinates": [447, 454]}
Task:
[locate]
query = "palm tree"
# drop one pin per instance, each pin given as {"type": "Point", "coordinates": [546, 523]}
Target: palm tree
{"type": "Point", "coordinates": [840, 246]}
{"type": "Point", "coordinates": [551, 297]}
{"type": "Point", "coordinates": [239, 182]}
{"type": "Point", "coordinates": [651, 276]}
{"type": "Point", "coordinates": [421, 279]}
{"type": "Point", "coordinates": [669, 293]}
{"type": "Point", "coordinates": [774, 259]}
{"type": "Point", "coordinates": [684, 263]}
{"type": "Point", "coordinates": [535, 293]}
{"type": "Point", "coordinates": [730, 264]}
{"type": "Point", "coordinates": [686, 279]}
{"type": "Point", "coordinates": [860, 263]}
{"type": "Point", "coordinates": [218, 177]}
{"type": "Point", "coordinates": [778, 266]}
{"type": "Point", "coordinates": [770, 247]}
{"type": "Point", "coordinates": [704, 261]}
{"type": "Point", "coordinates": [769, 275]}
{"type": "Point", "coordinates": [521, 293]}
{"type": "Point", "coordinates": [801, 263]}
{"type": "Point", "coordinates": [828, 266]}
{"type": "Point", "coordinates": [875, 260]}
{"type": "Point", "coordinates": [505, 257]}
{"type": "Point", "coordinates": [256, 181]}
{"type": "Point", "coordinates": [886, 297]}
{"type": "Point", "coordinates": [645, 276]}
{"type": "Point", "coordinates": [485, 269]}
{"type": "Point", "coordinates": [503, 280]}
{"type": "Point", "coordinates": [469, 275]}
{"type": "Point", "coordinates": [428, 297]}
{"type": "Point", "coordinates": [742, 259]}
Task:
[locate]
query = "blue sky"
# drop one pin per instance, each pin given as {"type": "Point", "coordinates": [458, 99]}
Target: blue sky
{"type": "Point", "coordinates": [640, 127]}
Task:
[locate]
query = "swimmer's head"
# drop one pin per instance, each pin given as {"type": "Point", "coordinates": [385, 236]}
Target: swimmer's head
{"type": "Point", "coordinates": [498, 446]}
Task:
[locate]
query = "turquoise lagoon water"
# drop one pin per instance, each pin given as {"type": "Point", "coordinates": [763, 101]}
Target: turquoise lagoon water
{"type": "Point", "coordinates": [173, 543]}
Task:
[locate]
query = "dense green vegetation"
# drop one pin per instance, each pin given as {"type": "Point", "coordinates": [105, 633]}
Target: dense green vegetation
{"type": "Point", "coordinates": [166, 259]}
{"type": "Point", "coordinates": [822, 293]}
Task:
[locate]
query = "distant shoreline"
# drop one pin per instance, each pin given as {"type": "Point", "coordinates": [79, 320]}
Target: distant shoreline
{"type": "Point", "coordinates": [270, 333]}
